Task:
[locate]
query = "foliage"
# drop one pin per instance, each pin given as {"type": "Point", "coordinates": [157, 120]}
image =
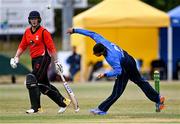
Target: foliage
{"type": "Point", "coordinates": [93, 2]}
{"type": "Point", "coordinates": [164, 5]}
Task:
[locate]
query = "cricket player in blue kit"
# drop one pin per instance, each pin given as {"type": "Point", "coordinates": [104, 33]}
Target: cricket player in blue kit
{"type": "Point", "coordinates": [123, 68]}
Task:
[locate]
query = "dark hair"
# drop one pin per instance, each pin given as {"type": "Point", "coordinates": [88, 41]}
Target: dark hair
{"type": "Point", "coordinates": [99, 48]}
{"type": "Point", "coordinates": [34, 14]}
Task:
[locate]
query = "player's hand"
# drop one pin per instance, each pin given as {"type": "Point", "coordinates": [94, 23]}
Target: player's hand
{"type": "Point", "coordinates": [100, 76]}
{"type": "Point", "coordinates": [69, 31]}
{"type": "Point", "coordinates": [14, 61]}
{"type": "Point", "coordinates": [58, 67]}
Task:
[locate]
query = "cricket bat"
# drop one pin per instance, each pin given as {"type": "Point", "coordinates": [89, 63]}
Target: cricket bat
{"type": "Point", "coordinates": [70, 94]}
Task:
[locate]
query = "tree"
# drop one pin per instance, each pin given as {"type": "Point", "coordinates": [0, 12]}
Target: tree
{"type": "Point", "coordinates": [164, 5]}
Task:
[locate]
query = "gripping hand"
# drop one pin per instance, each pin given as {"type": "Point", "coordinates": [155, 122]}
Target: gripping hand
{"type": "Point", "coordinates": [14, 61]}
{"type": "Point", "coordinates": [58, 67]}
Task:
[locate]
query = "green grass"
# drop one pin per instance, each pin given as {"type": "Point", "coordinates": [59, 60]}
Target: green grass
{"type": "Point", "coordinates": [132, 107]}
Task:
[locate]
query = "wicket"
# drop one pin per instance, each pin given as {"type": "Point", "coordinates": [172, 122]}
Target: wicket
{"type": "Point", "coordinates": [157, 85]}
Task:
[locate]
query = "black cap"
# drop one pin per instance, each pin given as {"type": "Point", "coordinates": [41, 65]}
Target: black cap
{"type": "Point", "coordinates": [99, 48]}
{"type": "Point", "coordinates": [34, 14]}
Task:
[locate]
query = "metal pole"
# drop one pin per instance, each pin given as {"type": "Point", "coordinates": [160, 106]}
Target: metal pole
{"type": "Point", "coordinates": [67, 14]}
{"type": "Point", "coordinates": [8, 34]}
{"type": "Point", "coordinates": [170, 42]}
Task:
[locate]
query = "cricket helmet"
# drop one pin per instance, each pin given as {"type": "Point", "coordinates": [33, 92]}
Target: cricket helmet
{"type": "Point", "coordinates": [34, 14]}
{"type": "Point", "coordinates": [99, 48]}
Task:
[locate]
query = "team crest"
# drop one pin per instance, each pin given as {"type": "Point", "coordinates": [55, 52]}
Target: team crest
{"type": "Point", "coordinates": [31, 42]}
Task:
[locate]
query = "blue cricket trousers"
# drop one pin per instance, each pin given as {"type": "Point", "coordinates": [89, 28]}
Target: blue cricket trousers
{"type": "Point", "coordinates": [129, 71]}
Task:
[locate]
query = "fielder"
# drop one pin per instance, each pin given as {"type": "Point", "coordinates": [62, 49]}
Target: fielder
{"type": "Point", "coordinates": [42, 49]}
{"type": "Point", "coordinates": [124, 68]}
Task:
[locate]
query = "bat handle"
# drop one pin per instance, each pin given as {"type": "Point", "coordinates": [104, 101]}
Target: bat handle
{"type": "Point", "coordinates": [62, 77]}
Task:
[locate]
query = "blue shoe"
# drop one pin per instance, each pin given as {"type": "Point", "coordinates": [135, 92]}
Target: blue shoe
{"type": "Point", "coordinates": [97, 111]}
{"type": "Point", "coordinates": [160, 105]}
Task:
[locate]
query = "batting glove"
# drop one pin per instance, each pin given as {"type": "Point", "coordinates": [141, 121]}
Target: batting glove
{"type": "Point", "coordinates": [58, 67]}
{"type": "Point", "coordinates": [14, 61]}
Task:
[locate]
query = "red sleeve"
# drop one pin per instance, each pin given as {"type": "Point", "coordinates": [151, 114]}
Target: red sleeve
{"type": "Point", "coordinates": [49, 42]}
{"type": "Point", "coordinates": [23, 45]}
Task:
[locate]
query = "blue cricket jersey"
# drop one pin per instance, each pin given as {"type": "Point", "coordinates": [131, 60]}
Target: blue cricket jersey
{"type": "Point", "coordinates": [114, 53]}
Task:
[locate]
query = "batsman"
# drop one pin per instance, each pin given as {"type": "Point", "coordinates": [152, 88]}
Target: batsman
{"type": "Point", "coordinates": [42, 49]}
{"type": "Point", "coordinates": [123, 68]}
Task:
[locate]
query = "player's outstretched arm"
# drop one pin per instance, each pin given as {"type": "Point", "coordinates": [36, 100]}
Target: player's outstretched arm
{"type": "Point", "coordinates": [96, 37]}
{"type": "Point", "coordinates": [88, 33]}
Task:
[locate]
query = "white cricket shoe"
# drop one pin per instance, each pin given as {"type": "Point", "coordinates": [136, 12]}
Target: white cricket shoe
{"type": "Point", "coordinates": [63, 109]}
{"type": "Point", "coordinates": [31, 111]}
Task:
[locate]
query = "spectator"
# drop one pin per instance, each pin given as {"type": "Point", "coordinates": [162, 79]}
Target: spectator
{"type": "Point", "coordinates": [74, 61]}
